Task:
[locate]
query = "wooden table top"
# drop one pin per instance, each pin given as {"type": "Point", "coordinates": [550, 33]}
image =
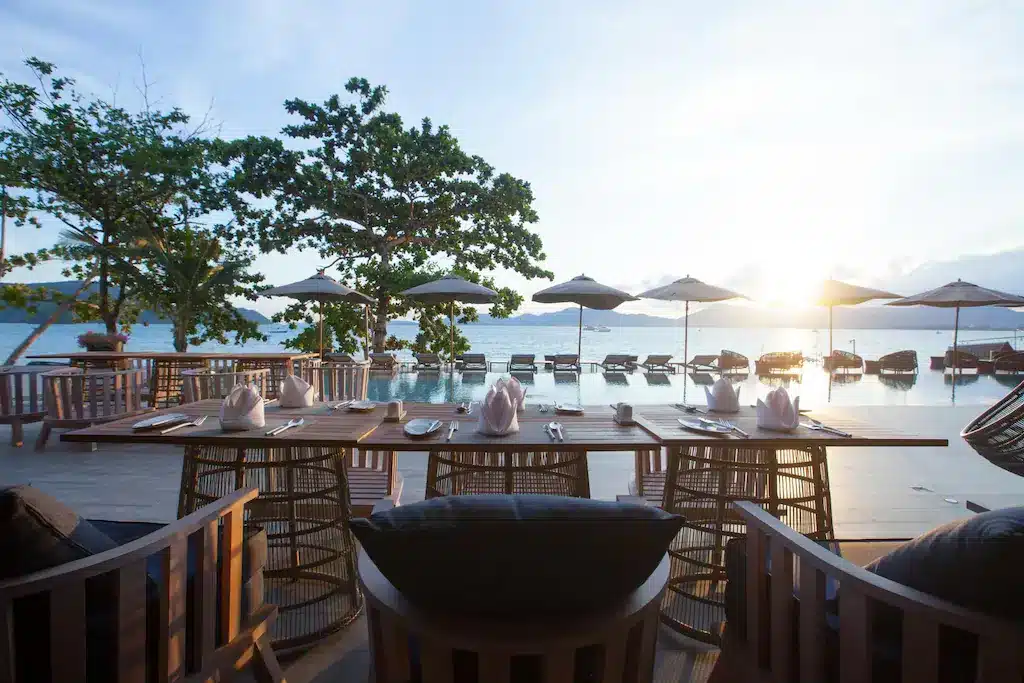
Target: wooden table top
{"type": "Point", "coordinates": [662, 421]}
{"type": "Point", "coordinates": [170, 355]}
{"type": "Point", "coordinates": [595, 430]}
{"type": "Point", "coordinates": [322, 427]}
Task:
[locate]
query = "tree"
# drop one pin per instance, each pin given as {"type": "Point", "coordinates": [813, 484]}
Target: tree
{"type": "Point", "coordinates": [99, 170]}
{"type": "Point", "coordinates": [187, 276]}
{"type": "Point", "coordinates": [382, 201]}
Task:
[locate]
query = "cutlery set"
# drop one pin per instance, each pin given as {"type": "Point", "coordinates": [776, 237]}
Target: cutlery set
{"type": "Point", "coordinates": [295, 422]}
{"type": "Point", "coordinates": [191, 423]}
{"type": "Point", "coordinates": [554, 430]}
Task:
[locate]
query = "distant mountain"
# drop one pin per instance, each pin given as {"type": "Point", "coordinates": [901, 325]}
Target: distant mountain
{"type": "Point", "coordinates": [16, 315]}
{"type": "Point", "coordinates": [724, 315]}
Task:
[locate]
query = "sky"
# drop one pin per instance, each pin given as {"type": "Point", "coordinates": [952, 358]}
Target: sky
{"type": "Point", "coordinates": [755, 145]}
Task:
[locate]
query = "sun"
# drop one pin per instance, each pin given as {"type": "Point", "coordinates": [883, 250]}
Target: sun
{"type": "Point", "coordinates": [786, 289]}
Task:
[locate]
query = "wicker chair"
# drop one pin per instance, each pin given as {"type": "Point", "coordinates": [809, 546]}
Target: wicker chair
{"type": "Point", "coordinates": [453, 473]}
{"type": "Point", "coordinates": [223, 635]}
{"type": "Point", "coordinates": [730, 361]}
{"type": "Point", "coordinates": [304, 506]}
{"type": "Point", "coordinates": [898, 361]}
{"type": "Point", "coordinates": [701, 483]}
{"type": "Point", "coordinates": [199, 385]}
{"type": "Point", "coordinates": [1009, 363]}
{"type": "Point", "coordinates": [278, 371]}
{"type": "Point", "coordinates": [75, 399]}
{"type": "Point", "coordinates": [166, 379]}
{"type": "Point", "coordinates": [998, 433]}
{"type": "Point", "coordinates": [843, 360]}
{"type": "Point", "coordinates": [962, 360]}
{"type": "Point", "coordinates": [21, 399]}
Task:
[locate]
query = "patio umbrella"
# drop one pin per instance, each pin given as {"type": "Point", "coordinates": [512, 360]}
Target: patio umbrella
{"type": "Point", "coordinates": [321, 288]}
{"type": "Point", "coordinates": [583, 291]}
{"type": "Point", "coordinates": [835, 293]}
{"type": "Point", "coordinates": [448, 290]}
{"type": "Point", "coordinates": [689, 289]}
{"type": "Point", "coordinates": [959, 295]}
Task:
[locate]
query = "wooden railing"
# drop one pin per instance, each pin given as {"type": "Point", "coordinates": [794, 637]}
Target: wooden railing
{"type": "Point", "coordinates": [215, 593]}
{"type": "Point", "coordinates": [769, 634]}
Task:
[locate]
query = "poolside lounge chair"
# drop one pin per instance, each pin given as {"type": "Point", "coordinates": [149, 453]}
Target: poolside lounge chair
{"type": "Point", "coordinates": [658, 363]}
{"type": "Point", "coordinates": [474, 362]}
{"type": "Point", "coordinates": [340, 358]}
{"type": "Point", "coordinates": [963, 360]}
{"type": "Point", "coordinates": [843, 360]}
{"type": "Point", "coordinates": [522, 362]}
{"type": "Point", "coordinates": [1010, 363]}
{"type": "Point", "coordinates": [565, 362]}
{"type": "Point", "coordinates": [898, 361]}
{"type": "Point", "coordinates": [427, 361]}
{"type": "Point", "coordinates": [705, 362]}
{"type": "Point", "coordinates": [618, 362]}
{"type": "Point", "coordinates": [778, 360]}
{"type": "Point", "coordinates": [730, 361]}
{"type": "Point", "coordinates": [996, 433]}
{"type": "Point", "coordinates": [383, 361]}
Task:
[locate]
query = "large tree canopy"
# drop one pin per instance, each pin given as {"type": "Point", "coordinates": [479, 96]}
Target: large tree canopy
{"type": "Point", "coordinates": [384, 203]}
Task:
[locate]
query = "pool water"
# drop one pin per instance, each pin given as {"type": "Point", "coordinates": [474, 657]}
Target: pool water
{"type": "Point", "coordinates": [813, 386]}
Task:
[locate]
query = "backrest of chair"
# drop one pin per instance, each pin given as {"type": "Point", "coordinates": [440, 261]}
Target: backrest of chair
{"type": "Point", "coordinates": [658, 359]}
{"type": "Point", "coordinates": [199, 385]}
{"type": "Point", "coordinates": [427, 358]}
{"type": "Point", "coordinates": [960, 359]}
{"type": "Point", "coordinates": [566, 358]}
{"type": "Point", "coordinates": [214, 593]}
{"type": "Point", "coordinates": [166, 378]}
{"type": "Point", "coordinates": [514, 472]}
{"type": "Point", "coordinates": [383, 360]}
{"type": "Point", "coordinates": [522, 359]}
{"type": "Point", "coordinates": [770, 614]}
{"type": "Point", "coordinates": [474, 358]}
{"type": "Point", "coordinates": [339, 381]}
{"type": "Point", "coordinates": [899, 360]}
{"type": "Point", "coordinates": [97, 395]}
{"type": "Point", "coordinates": [21, 391]}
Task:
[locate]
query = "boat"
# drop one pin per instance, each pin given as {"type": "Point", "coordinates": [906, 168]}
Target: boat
{"type": "Point", "coordinates": [597, 328]}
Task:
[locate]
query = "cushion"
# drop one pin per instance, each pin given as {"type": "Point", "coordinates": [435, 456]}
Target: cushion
{"type": "Point", "coordinates": [38, 532]}
{"type": "Point", "coordinates": [517, 555]}
{"type": "Point", "coordinates": [975, 563]}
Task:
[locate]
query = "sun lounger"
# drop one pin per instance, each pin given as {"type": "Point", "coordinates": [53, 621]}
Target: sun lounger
{"type": "Point", "coordinates": [730, 361]}
{"type": "Point", "coordinates": [778, 361]}
{"type": "Point", "coordinates": [383, 361]}
{"type": "Point", "coordinates": [561, 362]}
{"type": "Point", "coordinates": [522, 362]}
{"type": "Point", "coordinates": [843, 360]}
{"type": "Point", "coordinates": [1012, 363]}
{"type": "Point", "coordinates": [963, 360]}
{"type": "Point", "coordinates": [474, 362]}
{"type": "Point", "coordinates": [427, 361]}
{"type": "Point", "coordinates": [898, 361]}
{"type": "Point", "coordinates": [618, 362]}
{"type": "Point", "coordinates": [704, 362]}
{"type": "Point", "coordinates": [658, 362]}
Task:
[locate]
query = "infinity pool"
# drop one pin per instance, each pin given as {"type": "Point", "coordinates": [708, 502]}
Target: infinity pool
{"type": "Point", "coordinates": [813, 386]}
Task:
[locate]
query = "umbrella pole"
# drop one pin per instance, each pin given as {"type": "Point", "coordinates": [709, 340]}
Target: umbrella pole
{"type": "Point", "coordinates": [579, 340]}
{"type": "Point", "coordinates": [830, 333]}
{"type": "Point", "coordinates": [686, 344]}
{"type": "Point", "coordinates": [956, 356]}
{"type": "Point", "coordinates": [366, 331]}
{"type": "Point", "coordinates": [451, 348]}
{"type": "Point", "coordinates": [321, 329]}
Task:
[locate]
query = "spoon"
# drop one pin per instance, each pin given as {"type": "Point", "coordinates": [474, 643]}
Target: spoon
{"type": "Point", "coordinates": [291, 423]}
{"type": "Point", "coordinates": [556, 427]}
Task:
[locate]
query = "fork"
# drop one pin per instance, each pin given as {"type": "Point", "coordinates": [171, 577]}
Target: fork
{"type": "Point", "coordinates": [191, 423]}
{"type": "Point", "coordinates": [734, 428]}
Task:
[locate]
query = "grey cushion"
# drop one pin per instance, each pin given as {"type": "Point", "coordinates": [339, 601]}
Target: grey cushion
{"type": "Point", "coordinates": [975, 563]}
{"type": "Point", "coordinates": [508, 555]}
{"type": "Point", "coordinates": [38, 532]}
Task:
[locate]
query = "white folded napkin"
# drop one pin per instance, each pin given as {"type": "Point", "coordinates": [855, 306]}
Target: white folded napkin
{"type": "Point", "coordinates": [295, 393]}
{"type": "Point", "coordinates": [777, 412]}
{"type": "Point", "coordinates": [516, 391]}
{"type": "Point", "coordinates": [242, 409]}
{"type": "Point", "coordinates": [498, 412]}
{"type": "Point", "coordinates": [723, 398]}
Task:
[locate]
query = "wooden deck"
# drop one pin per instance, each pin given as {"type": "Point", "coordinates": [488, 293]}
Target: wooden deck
{"type": "Point", "coordinates": [876, 493]}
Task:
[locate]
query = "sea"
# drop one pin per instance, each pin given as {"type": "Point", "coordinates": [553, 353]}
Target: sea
{"type": "Point", "coordinates": [813, 385]}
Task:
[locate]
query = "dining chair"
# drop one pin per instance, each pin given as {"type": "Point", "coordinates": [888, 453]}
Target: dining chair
{"type": "Point", "coordinates": [21, 399]}
{"type": "Point", "coordinates": [558, 473]}
{"type": "Point", "coordinates": [166, 379]}
{"type": "Point", "coordinates": [75, 399]}
{"type": "Point", "coordinates": [199, 385]}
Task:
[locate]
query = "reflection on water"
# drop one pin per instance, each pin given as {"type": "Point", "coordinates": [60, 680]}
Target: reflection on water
{"type": "Point", "coordinates": [812, 385]}
{"type": "Point", "coordinates": [702, 379]}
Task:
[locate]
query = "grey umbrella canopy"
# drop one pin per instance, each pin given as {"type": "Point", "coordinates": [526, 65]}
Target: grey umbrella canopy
{"type": "Point", "coordinates": [959, 295]}
{"type": "Point", "coordinates": [449, 289]}
{"type": "Point", "coordinates": [320, 288]}
{"type": "Point", "coordinates": [689, 289]}
{"type": "Point", "coordinates": [585, 292]}
{"type": "Point", "coordinates": [835, 293]}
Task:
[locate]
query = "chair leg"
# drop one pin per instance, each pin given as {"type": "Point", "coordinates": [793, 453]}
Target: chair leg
{"type": "Point", "coordinates": [44, 434]}
{"type": "Point", "coordinates": [265, 667]}
{"type": "Point", "coordinates": [17, 434]}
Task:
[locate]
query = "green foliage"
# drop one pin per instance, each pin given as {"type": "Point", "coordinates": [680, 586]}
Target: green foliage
{"type": "Point", "coordinates": [100, 170]}
{"type": "Point", "coordinates": [384, 201]}
{"type": "Point", "coordinates": [186, 275]}
{"type": "Point", "coordinates": [343, 327]}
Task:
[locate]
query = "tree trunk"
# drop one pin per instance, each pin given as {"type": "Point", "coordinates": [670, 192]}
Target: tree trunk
{"type": "Point", "coordinates": [380, 323]}
{"type": "Point", "coordinates": [179, 329]}
{"type": "Point", "coordinates": [36, 333]}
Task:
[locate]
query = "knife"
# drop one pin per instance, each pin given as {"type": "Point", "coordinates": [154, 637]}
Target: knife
{"type": "Point", "coordinates": [452, 427]}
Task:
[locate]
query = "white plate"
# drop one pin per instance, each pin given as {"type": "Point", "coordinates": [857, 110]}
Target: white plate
{"type": "Point", "coordinates": [362, 406]}
{"type": "Point", "coordinates": [569, 409]}
{"type": "Point", "coordinates": [422, 426]}
{"type": "Point", "coordinates": [165, 420]}
{"type": "Point", "coordinates": [704, 427]}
